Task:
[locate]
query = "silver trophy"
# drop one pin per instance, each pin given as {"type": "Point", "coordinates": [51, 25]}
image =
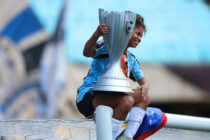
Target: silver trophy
{"type": "Point", "coordinates": [120, 26]}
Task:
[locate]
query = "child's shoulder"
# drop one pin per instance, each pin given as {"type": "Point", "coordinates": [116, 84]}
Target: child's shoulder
{"type": "Point", "coordinates": [133, 57]}
{"type": "Point", "coordinates": [131, 54]}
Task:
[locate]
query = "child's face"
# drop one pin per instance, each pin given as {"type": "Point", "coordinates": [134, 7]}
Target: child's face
{"type": "Point", "coordinates": [135, 37]}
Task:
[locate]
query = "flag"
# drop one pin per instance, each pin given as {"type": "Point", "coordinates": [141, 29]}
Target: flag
{"type": "Point", "coordinates": [20, 25]}
{"type": "Point", "coordinates": [20, 32]}
{"type": "Point", "coordinates": [153, 121]}
{"type": "Point", "coordinates": [53, 65]}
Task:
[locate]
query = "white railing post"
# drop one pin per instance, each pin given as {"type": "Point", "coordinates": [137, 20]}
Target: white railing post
{"type": "Point", "coordinates": [104, 122]}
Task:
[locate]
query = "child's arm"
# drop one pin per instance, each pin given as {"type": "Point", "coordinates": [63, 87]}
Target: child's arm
{"type": "Point", "coordinates": [89, 49]}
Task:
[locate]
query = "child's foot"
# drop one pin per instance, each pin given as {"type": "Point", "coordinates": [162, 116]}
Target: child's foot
{"type": "Point", "coordinates": [124, 138]}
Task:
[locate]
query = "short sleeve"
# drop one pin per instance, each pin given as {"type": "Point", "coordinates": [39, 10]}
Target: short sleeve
{"type": "Point", "coordinates": [136, 73]}
{"type": "Point", "coordinates": [101, 49]}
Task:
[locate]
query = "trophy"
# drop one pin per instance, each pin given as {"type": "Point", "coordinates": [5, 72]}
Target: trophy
{"type": "Point", "coordinates": [120, 28]}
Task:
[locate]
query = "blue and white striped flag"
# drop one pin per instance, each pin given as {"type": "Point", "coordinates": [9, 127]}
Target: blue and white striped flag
{"type": "Point", "coordinates": [53, 65]}
{"type": "Point", "coordinates": [20, 31]}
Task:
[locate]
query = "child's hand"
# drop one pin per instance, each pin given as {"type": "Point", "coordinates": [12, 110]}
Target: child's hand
{"type": "Point", "coordinates": [101, 30]}
{"type": "Point", "coordinates": [141, 93]}
{"type": "Point", "coordinates": [143, 89]}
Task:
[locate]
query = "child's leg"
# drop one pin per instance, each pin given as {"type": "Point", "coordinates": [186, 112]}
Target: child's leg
{"type": "Point", "coordinates": [134, 121]}
{"type": "Point", "coordinates": [116, 125]}
{"type": "Point", "coordinates": [137, 114]}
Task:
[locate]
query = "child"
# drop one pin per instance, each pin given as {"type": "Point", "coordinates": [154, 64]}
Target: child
{"type": "Point", "coordinates": [135, 103]}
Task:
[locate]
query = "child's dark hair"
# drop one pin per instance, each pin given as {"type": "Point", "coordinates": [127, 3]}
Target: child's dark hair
{"type": "Point", "coordinates": [140, 22]}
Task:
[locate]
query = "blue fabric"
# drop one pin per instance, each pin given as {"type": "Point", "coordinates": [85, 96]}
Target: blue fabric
{"type": "Point", "coordinates": [24, 24]}
{"type": "Point", "coordinates": [98, 67]}
{"type": "Point", "coordinates": [135, 67]}
{"type": "Point", "coordinates": [152, 120]}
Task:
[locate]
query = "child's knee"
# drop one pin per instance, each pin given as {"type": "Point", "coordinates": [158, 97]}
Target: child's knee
{"type": "Point", "coordinates": [127, 103]}
{"type": "Point", "coordinates": [144, 102]}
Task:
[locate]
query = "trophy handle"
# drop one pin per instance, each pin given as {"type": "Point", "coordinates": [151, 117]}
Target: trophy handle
{"type": "Point", "coordinates": [101, 21]}
{"type": "Point", "coordinates": [129, 26]}
{"type": "Point", "coordinates": [101, 16]}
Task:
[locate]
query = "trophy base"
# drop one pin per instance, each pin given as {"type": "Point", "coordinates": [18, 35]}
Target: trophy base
{"type": "Point", "coordinates": [113, 85]}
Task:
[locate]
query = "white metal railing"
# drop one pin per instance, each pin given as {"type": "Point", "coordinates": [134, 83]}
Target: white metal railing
{"type": "Point", "coordinates": [187, 122]}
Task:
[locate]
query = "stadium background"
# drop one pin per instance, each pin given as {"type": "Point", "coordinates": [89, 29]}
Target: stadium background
{"type": "Point", "coordinates": [174, 54]}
